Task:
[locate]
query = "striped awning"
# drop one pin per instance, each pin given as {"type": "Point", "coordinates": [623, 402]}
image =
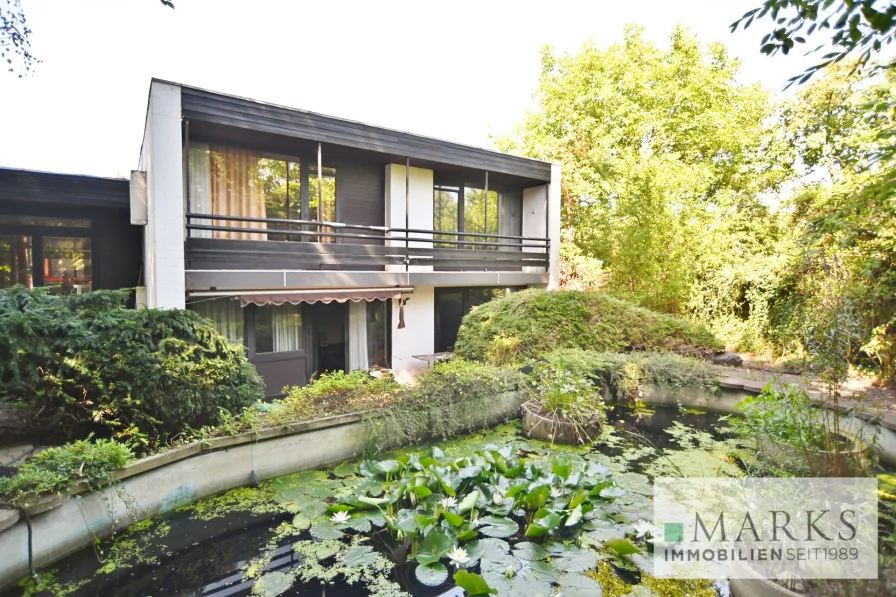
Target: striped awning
{"type": "Point", "coordinates": [339, 295]}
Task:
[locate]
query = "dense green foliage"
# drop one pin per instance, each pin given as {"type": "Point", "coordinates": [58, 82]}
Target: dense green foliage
{"type": "Point", "coordinates": [624, 375]}
{"type": "Point", "coordinates": [769, 220]}
{"type": "Point", "coordinates": [54, 470]}
{"type": "Point", "coordinates": [524, 325]}
{"type": "Point", "coordinates": [85, 363]}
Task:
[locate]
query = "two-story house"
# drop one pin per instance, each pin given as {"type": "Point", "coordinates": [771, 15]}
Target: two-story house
{"type": "Point", "coordinates": [316, 242]}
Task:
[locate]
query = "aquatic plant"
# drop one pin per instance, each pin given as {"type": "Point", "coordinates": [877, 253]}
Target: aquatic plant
{"type": "Point", "coordinates": [518, 520]}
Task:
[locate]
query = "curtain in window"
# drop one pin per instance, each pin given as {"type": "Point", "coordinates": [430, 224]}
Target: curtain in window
{"type": "Point", "coordinates": [357, 335]}
{"type": "Point", "coordinates": [226, 314]}
{"type": "Point", "coordinates": [287, 327]}
{"type": "Point", "coordinates": [377, 346]}
{"type": "Point", "coordinates": [226, 181]}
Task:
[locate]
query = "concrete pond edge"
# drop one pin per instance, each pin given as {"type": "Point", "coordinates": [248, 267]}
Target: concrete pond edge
{"type": "Point", "coordinates": [166, 481]}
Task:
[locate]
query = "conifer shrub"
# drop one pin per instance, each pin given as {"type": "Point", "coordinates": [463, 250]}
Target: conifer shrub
{"type": "Point", "coordinates": [81, 364]}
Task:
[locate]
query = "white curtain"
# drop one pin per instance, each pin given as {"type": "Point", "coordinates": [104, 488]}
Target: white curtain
{"type": "Point", "coordinates": [357, 335]}
{"type": "Point", "coordinates": [200, 199]}
{"type": "Point", "coordinates": [226, 314]}
{"type": "Point", "coordinates": [287, 327]}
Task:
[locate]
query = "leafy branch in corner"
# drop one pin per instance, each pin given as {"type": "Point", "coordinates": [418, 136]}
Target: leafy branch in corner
{"type": "Point", "coordinates": [857, 26]}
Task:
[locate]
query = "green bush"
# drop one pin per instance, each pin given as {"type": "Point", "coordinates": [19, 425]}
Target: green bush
{"type": "Point", "coordinates": [451, 398]}
{"type": "Point", "coordinates": [624, 374]}
{"type": "Point", "coordinates": [332, 394]}
{"type": "Point", "coordinates": [55, 470]}
{"type": "Point", "coordinates": [86, 364]}
{"type": "Point", "coordinates": [524, 325]}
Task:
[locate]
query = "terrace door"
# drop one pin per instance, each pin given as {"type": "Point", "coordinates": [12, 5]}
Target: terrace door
{"type": "Point", "coordinates": [328, 337]}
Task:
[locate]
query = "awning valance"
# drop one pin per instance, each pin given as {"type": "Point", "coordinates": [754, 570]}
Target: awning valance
{"type": "Point", "coordinates": [324, 296]}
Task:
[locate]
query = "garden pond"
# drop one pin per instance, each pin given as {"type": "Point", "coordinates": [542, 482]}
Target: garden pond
{"type": "Point", "coordinates": [526, 517]}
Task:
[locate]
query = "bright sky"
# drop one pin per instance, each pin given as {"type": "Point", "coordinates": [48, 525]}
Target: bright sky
{"type": "Point", "coordinates": [459, 71]}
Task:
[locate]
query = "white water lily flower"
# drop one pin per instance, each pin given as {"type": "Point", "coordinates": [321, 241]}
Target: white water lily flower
{"type": "Point", "coordinates": [644, 528]}
{"type": "Point", "coordinates": [556, 492]}
{"type": "Point", "coordinates": [448, 502]}
{"type": "Point", "coordinates": [498, 497]}
{"type": "Point", "coordinates": [340, 517]}
{"type": "Point", "coordinates": [458, 556]}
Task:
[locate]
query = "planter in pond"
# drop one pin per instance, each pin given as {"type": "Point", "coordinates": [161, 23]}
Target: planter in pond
{"type": "Point", "coordinates": [849, 462]}
{"type": "Point", "coordinates": [758, 587]}
{"type": "Point", "coordinates": [550, 428]}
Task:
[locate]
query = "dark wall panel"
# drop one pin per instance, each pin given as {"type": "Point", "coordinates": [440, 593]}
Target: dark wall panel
{"type": "Point", "coordinates": [361, 197]}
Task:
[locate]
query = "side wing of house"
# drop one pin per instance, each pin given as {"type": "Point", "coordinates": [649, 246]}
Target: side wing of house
{"type": "Point", "coordinates": [65, 232]}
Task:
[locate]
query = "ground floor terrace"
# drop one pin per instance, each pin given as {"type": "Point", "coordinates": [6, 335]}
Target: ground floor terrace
{"type": "Point", "coordinates": [293, 336]}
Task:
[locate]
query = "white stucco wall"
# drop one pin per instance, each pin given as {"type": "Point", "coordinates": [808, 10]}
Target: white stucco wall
{"type": "Point", "coordinates": [420, 213]}
{"type": "Point", "coordinates": [535, 217]}
{"type": "Point", "coordinates": [554, 207]}
{"type": "Point", "coordinates": [162, 160]}
{"type": "Point", "coordinates": [418, 335]}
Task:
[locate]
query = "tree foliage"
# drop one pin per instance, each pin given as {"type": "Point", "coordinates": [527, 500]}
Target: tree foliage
{"type": "Point", "coordinates": [85, 363]}
{"type": "Point", "coordinates": [657, 145]}
{"type": "Point", "coordinates": [858, 28]}
{"type": "Point", "coordinates": [769, 220]}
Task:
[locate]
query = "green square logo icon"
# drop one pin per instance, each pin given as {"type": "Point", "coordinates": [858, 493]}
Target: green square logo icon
{"type": "Point", "coordinates": [673, 532]}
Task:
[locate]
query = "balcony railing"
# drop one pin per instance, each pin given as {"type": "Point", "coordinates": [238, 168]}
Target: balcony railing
{"type": "Point", "coordinates": [232, 242]}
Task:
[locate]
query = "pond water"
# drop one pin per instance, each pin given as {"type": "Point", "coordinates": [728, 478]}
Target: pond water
{"type": "Point", "coordinates": [220, 546]}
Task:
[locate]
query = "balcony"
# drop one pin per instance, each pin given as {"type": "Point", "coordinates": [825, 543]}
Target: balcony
{"type": "Point", "coordinates": [217, 242]}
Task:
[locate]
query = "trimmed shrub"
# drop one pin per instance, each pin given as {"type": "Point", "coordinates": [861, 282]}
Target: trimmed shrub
{"type": "Point", "coordinates": [524, 325]}
{"type": "Point", "coordinates": [86, 364]}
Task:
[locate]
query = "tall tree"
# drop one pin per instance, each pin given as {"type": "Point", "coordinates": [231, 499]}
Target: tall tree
{"type": "Point", "coordinates": [656, 144]}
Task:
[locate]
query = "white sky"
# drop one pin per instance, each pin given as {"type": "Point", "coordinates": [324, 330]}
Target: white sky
{"type": "Point", "coordinates": [457, 71]}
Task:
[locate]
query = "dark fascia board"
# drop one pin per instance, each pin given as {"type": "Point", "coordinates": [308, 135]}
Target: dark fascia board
{"type": "Point", "coordinates": [33, 186]}
{"type": "Point", "coordinates": [231, 110]}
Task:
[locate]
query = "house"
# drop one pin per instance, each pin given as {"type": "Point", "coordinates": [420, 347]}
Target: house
{"type": "Point", "coordinates": [67, 232]}
{"type": "Point", "coordinates": [318, 243]}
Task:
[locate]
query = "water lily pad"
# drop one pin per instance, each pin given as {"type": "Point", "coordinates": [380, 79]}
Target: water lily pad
{"type": "Point", "coordinates": [488, 549]}
{"type": "Point", "coordinates": [622, 546]}
{"type": "Point", "coordinates": [575, 585]}
{"type": "Point", "coordinates": [431, 575]}
{"type": "Point", "coordinates": [360, 556]}
{"type": "Point", "coordinates": [473, 584]}
{"type": "Point", "coordinates": [301, 522]}
{"type": "Point", "coordinates": [346, 469]}
{"type": "Point", "coordinates": [498, 526]}
{"type": "Point", "coordinates": [325, 530]}
{"type": "Point", "coordinates": [517, 585]}
{"type": "Point", "coordinates": [273, 584]}
{"type": "Point", "coordinates": [575, 517]}
{"type": "Point", "coordinates": [529, 551]}
{"type": "Point", "coordinates": [612, 492]}
{"type": "Point", "coordinates": [570, 558]}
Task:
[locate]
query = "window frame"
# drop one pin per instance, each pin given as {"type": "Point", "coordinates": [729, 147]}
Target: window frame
{"type": "Point", "coordinates": [37, 232]}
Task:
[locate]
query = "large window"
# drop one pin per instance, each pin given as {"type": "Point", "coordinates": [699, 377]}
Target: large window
{"type": "Point", "coordinates": [465, 208]}
{"type": "Point", "coordinates": [278, 328]}
{"type": "Point", "coordinates": [46, 251]}
{"type": "Point", "coordinates": [231, 181]}
{"type": "Point", "coordinates": [274, 328]}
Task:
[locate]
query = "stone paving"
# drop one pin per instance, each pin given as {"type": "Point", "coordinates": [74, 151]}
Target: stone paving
{"type": "Point", "coordinates": [12, 455]}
